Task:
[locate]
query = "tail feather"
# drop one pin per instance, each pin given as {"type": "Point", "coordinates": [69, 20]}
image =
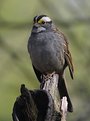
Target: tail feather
{"type": "Point", "coordinates": [63, 92]}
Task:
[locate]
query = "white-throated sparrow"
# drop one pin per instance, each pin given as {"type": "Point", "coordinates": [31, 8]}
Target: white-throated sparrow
{"type": "Point", "coordinates": [49, 52]}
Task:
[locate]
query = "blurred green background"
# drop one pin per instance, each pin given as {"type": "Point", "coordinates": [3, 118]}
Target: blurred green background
{"type": "Point", "coordinates": [73, 18]}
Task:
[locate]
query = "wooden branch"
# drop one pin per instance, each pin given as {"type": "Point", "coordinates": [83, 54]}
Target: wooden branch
{"type": "Point", "coordinates": [41, 105]}
{"type": "Point", "coordinates": [34, 105]}
{"type": "Point", "coordinates": [51, 86]}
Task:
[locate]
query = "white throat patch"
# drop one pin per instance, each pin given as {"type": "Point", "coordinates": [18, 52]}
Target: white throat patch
{"type": "Point", "coordinates": [46, 19]}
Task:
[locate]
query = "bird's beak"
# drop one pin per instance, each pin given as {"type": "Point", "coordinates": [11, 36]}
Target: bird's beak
{"type": "Point", "coordinates": [37, 28]}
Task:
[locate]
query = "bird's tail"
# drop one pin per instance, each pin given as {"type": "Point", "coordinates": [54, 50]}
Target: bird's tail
{"type": "Point", "coordinates": [63, 92]}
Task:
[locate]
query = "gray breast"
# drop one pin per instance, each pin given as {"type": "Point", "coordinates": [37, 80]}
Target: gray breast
{"type": "Point", "coordinates": [46, 52]}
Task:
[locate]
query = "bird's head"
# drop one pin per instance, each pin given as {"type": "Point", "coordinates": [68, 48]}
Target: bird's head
{"type": "Point", "coordinates": [41, 23]}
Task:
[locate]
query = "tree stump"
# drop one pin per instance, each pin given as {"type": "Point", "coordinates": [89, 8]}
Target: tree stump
{"type": "Point", "coordinates": [43, 104]}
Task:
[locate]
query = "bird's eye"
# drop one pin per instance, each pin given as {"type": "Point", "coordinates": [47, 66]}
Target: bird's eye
{"type": "Point", "coordinates": [41, 21]}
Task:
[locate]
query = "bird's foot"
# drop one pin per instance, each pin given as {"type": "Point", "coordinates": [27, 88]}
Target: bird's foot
{"type": "Point", "coordinates": [47, 77]}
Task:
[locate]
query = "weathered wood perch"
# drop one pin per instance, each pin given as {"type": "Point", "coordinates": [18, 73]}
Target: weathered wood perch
{"type": "Point", "coordinates": [41, 105]}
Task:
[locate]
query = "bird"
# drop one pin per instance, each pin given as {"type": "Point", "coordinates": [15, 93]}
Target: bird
{"type": "Point", "coordinates": [49, 52]}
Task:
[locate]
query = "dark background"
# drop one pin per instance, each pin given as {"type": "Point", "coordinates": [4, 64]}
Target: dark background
{"type": "Point", "coordinates": [73, 18]}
